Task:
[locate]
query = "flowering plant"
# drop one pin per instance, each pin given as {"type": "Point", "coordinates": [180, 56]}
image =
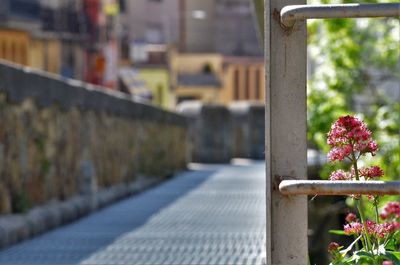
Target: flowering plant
{"type": "Point", "coordinates": [376, 241]}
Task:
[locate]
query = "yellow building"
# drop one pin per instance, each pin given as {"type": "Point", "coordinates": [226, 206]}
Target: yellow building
{"type": "Point", "coordinates": [45, 53]}
{"type": "Point", "coordinates": [36, 57]}
{"type": "Point", "coordinates": [14, 46]}
{"type": "Point", "coordinates": [52, 55]}
{"type": "Point", "coordinates": [197, 76]}
{"type": "Point", "coordinates": [157, 79]}
{"type": "Point", "coordinates": [243, 79]}
{"type": "Point", "coordinates": [20, 47]}
{"type": "Point", "coordinates": [215, 78]}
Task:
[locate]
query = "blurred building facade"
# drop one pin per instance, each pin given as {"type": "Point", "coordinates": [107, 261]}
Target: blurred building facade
{"type": "Point", "coordinates": [175, 49]}
{"type": "Point", "coordinates": [73, 38]}
{"type": "Point", "coordinates": [215, 78]}
{"type": "Point", "coordinates": [243, 79]}
{"type": "Point", "coordinates": [197, 76]}
{"type": "Point", "coordinates": [17, 20]}
{"type": "Point", "coordinates": [151, 21]}
{"type": "Point", "coordinates": [213, 52]}
{"type": "Point", "coordinates": [228, 27]}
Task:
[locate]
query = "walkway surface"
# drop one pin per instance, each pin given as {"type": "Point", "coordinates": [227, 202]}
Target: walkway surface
{"type": "Point", "coordinates": [212, 215]}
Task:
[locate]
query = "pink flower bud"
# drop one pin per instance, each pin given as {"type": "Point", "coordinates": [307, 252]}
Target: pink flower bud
{"type": "Point", "coordinates": [340, 175]}
{"type": "Point", "coordinates": [333, 247]}
{"type": "Point", "coordinates": [351, 217]}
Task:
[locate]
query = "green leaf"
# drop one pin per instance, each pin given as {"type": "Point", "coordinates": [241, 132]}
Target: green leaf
{"type": "Point", "coordinates": [391, 245]}
{"type": "Point", "coordinates": [364, 254]}
{"type": "Point", "coordinates": [338, 232]}
{"type": "Point", "coordinates": [392, 257]}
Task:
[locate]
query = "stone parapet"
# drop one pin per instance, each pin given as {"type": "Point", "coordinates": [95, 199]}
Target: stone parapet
{"type": "Point", "coordinates": [248, 119]}
{"type": "Point", "coordinates": [218, 134]}
{"type": "Point", "coordinates": [210, 132]}
{"type": "Point", "coordinates": [65, 141]}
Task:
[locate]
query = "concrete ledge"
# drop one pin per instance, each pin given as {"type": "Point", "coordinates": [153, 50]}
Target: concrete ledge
{"type": "Point", "coordinates": [19, 227]}
{"type": "Point", "coordinates": [20, 82]}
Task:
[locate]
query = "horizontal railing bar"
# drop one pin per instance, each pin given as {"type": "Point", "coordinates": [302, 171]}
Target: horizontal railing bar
{"type": "Point", "coordinates": [326, 187]}
{"type": "Point", "coordinates": [289, 14]}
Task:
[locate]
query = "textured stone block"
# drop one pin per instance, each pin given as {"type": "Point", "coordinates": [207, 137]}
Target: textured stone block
{"type": "Point", "coordinates": [36, 221]}
{"type": "Point", "coordinates": [210, 132]}
{"type": "Point", "coordinates": [52, 216]}
{"type": "Point", "coordinates": [68, 211]}
{"type": "Point", "coordinates": [81, 204]}
{"type": "Point", "coordinates": [248, 120]}
{"type": "Point", "coordinates": [16, 228]}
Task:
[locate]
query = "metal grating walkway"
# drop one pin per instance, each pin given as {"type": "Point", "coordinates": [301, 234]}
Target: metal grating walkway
{"type": "Point", "coordinates": [209, 216]}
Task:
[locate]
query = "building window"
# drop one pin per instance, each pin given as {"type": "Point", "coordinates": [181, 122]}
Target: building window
{"type": "Point", "coordinates": [258, 84]}
{"type": "Point", "coordinates": [14, 52]}
{"type": "Point", "coordinates": [122, 6]}
{"type": "Point", "coordinates": [247, 88]}
{"type": "Point", "coordinates": [23, 53]}
{"type": "Point", "coordinates": [154, 34]}
{"type": "Point", "coordinates": [236, 84]}
{"type": "Point", "coordinates": [3, 50]}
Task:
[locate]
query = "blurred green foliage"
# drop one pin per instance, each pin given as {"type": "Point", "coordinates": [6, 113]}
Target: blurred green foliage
{"type": "Point", "coordinates": [355, 57]}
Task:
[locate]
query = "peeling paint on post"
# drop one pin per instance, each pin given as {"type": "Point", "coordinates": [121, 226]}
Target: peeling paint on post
{"type": "Point", "coordinates": [286, 143]}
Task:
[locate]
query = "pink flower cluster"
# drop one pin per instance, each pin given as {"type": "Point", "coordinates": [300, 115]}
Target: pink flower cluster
{"type": "Point", "coordinates": [371, 172]}
{"type": "Point", "coordinates": [373, 229]}
{"type": "Point", "coordinates": [391, 210]}
{"type": "Point", "coordinates": [350, 135]}
{"type": "Point", "coordinates": [354, 227]}
{"type": "Point", "coordinates": [340, 175]}
{"type": "Point", "coordinates": [366, 172]}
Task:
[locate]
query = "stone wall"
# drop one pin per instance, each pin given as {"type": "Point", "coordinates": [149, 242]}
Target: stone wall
{"type": "Point", "coordinates": [60, 138]}
{"type": "Point", "coordinates": [210, 132]}
{"type": "Point", "coordinates": [248, 130]}
{"type": "Point", "coordinates": [218, 134]}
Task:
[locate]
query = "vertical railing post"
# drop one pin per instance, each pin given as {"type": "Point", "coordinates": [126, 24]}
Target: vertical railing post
{"type": "Point", "coordinates": [286, 143]}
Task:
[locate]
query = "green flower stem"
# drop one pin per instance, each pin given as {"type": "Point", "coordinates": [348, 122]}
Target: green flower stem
{"type": "Point", "coordinates": [360, 209]}
{"type": "Point", "coordinates": [376, 210]}
{"type": "Point", "coordinates": [362, 216]}
{"type": "Point", "coordinates": [367, 238]}
{"type": "Point", "coordinates": [354, 162]}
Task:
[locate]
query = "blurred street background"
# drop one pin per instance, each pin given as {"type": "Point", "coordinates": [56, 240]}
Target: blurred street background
{"type": "Point", "coordinates": [158, 51]}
